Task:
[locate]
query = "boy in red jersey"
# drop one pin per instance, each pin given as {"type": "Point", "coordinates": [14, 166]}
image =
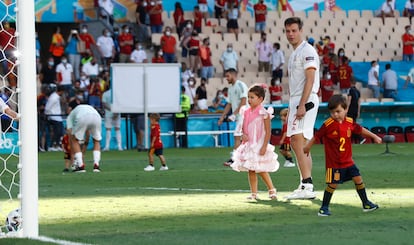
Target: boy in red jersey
{"type": "Point", "coordinates": [336, 134]}
{"type": "Point", "coordinates": [285, 140]}
{"type": "Point", "coordinates": [67, 155]}
{"type": "Point", "coordinates": [156, 144]}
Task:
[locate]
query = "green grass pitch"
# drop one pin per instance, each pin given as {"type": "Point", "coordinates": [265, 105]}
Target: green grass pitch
{"type": "Point", "coordinates": [199, 201]}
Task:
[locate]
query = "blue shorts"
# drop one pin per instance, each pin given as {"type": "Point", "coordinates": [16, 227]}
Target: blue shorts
{"type": "Point", "coordinates": [341, 175]}
{"type": "Point", "coordinates": [260, 26]}
{"type": "Point", "coordinates": [157, 152]}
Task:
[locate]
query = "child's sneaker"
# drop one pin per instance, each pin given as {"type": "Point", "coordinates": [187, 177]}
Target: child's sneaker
{"type": "Point", "coordinates": [96, 168]}
{"type": "Point", "coordinates": [324, 211]}
{"type": "Point", "coordinates": [369, 206]}
{"type": "Point", "coordinates": [288, 164]}
{"type": "Point", "coordinates": [149, 168]}
{"type": "Point", "coordinates": [228, 162]}
{"type": "Point", "coordinates": [80, 169]}
{"type": "Point", "coordinates": [164, 168]}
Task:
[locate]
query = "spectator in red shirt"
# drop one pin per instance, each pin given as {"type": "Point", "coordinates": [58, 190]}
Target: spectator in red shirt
{"type": "Point", "coordinates": [345, 74]}
{"type": "Point", "coordinates": [193, 47]}
{"type": "Point", "coordinates": [155, 15]}
{"type": "Point", "coordinates": [126, 44]}
{"type": "Point", "coordinates": [87, 38]}
{"type": "Point", "coordinates": [408, 44]}
{"type": "Point", "coordinates": [327, 86]}
{"type": "Point", "coordinates": [179, 18]}
{"type": "Point", "coordinates": [260, 12]}
{"type": "Point", "coordinates": [276, 91]}
{"type": "Point", "coordinates": [198, 19]}
{"type": "Point", "coordinates": [336, 134]}
{"type": "Point", "coordinates": [158, 56]}
{"type": "Point", "coordinates": [168, 46]}
{"type": "Point", "coordinates": [328, 47]}
{"type": "Point", "coordinates": [207, 68]}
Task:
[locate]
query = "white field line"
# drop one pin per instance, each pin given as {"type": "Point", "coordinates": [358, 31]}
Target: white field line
{"type": "Point", "coordinates": [57, 241]}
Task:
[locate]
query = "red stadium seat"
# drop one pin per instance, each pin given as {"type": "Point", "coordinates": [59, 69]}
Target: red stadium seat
{"type": "Point", "coordinates": [276, 136]}
{"type": "Point", "coordinates": [409, 134]}
{"type": "Point", "coordinates": [379, 130]}
{"type": "Point", "coordinates": [398, 132]}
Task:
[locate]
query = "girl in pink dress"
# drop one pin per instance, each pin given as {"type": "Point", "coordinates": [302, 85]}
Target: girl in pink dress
{"type": "Point", "coordinates": [255, 155]}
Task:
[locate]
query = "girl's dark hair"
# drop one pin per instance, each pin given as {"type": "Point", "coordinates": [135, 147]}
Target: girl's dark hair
{"type": "Point", "coordinates": [336, 100]}
{"type": "Point", "coordinates": [258, 90]}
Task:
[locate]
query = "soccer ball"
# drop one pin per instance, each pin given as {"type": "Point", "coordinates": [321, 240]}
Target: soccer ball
{"type": "Point", "coordinates": [14, 220]}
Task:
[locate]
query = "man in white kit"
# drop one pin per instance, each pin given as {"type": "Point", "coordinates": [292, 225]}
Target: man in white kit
{"type": "Point", "coordinates": [303, 70]}
{"type": "Point", "coordinates": [83, 121]}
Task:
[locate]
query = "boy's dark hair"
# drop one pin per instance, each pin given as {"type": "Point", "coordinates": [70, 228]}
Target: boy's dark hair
{"type": "Point", "coordinates": [294, 20]}
{"type": "Point", "coordinates": [258, 90]}
{"type": "Point", "coordinates": [155, 116]}
{"type": "Point", "coordinates": [336, 100]}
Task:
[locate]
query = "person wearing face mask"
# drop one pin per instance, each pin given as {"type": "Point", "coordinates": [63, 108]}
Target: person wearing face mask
{"type": "Point", "coordinates": [126, 44]}
{"type": "Point", "coordinates": [141, 19]}
{"type": "Point", "coordinates": [346, 75]}
{"type": "Point", "coordinates": [408, 44]}
{"type": "Point", "coordinates": [194, 47]}
{"type": "Point", "coordinates": [340, 56]}
{"type": "Point", "coordinates": [106, 47]}
{"type": "Point", "coordinates": [327, 86]}
{"type": "Point", "coordinates": [47, 74]}
{"type": "Point", "coordinates": [139, 55]}
{"type": "Point", "coordinates": [275, 91]}
{"type": "Point", "coordinates": [86, 37]}
{"type": "Point", "coordinates": [72, 51]}
{"type": "Point", "coordinates": [158, 56]}
{"type": "Point", "coordinates": [65, 76]}
{"type": "Point", "coordinates": [264, 51]}
{"type": "Point", "coordinates": [373, 79]}
{"type": "Point", "coordinates": [277, 61]}
{"type": "Point", "coordinates": [229, 59]}
{"type": "Point", "coordinates": [154, 11]}
{"type": "Point", "coordinates": [185, 37]}
{"type": "Point", "coordinates": [91, 69]}
{"type": "Point", "coordinates": [168, 44]}
{"type": "Point", "coordinates": [260, 12]}
{"type": "Point", "coordinates": [387, 10]}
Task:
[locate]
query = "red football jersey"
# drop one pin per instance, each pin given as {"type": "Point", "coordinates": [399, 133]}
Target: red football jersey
{"type": "Point", "coordinates": [155, 133]}
{"type": "Point", "coordinates": [260, 7]}
{"type": "Point", "coordinates": [65, 143]}
{"type": "Point", "coordinates": [345, 75]}
{"type": "Point", "coordinates": [337, 141]}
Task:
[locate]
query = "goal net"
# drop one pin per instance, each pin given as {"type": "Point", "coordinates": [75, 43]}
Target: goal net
{"type": "Point", "coordinates": [18, 137]}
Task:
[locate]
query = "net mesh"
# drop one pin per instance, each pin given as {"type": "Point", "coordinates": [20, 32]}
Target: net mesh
{"type": "Point", "coordinates": [9, 137]}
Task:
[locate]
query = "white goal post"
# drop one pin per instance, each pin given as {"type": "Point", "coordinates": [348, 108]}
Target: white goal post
{"type": "Point", "coordinates": [25, 26]}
